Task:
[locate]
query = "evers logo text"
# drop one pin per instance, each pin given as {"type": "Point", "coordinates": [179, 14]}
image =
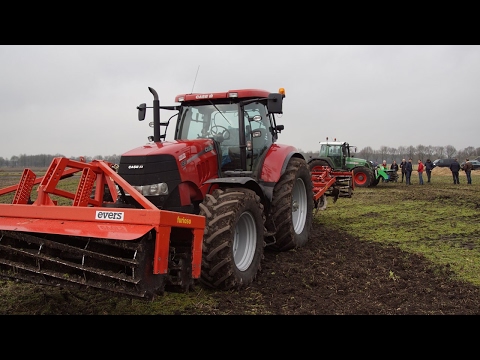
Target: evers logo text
{"type": "Point", "coordinates": [109, 215]}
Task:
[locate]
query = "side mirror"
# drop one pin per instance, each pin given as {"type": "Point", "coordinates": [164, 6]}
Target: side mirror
{"type": "Point", "coordinates": [274, 103]}
{"type": "Point", "coordinates": [142, 109]}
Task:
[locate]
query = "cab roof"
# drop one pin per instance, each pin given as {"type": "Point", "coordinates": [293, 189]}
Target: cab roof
{"type": "Point", "coordinates": [230, 94]}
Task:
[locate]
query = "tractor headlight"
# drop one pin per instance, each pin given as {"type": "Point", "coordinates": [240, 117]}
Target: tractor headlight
{"type": "Point", "coordinates": [157, 189]}
{"type": "Point", "coordinates": [152, 190]}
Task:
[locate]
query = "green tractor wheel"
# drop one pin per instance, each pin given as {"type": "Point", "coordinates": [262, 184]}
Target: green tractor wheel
{"type": "Point", "coordinates": [362, 176]}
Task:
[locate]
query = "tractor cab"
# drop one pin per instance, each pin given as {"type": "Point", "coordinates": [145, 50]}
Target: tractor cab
{"type": "Point", "coordinates": [336, 151]}
{"type": "Point", "coordinates": [241, 122]}
{"type": "Point", "coordinates": [243, 128]}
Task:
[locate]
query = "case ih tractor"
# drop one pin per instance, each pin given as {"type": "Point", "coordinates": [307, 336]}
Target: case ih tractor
{"type": "Point", "coordinates": [202, 206]}
{"type": "Point", "coordinates": [339, 155]}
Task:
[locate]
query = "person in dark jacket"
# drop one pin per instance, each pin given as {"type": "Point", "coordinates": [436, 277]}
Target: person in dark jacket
{"type": "Point", "coordinates": [402, 166]}
{"type": "Point", "coordinates": [428, 169]}
{"type": "Point", "coordinates": [408, 171]}
{"type": "Point", "coordinates": [394, 166]}
{"type": "Point", "coordinates": [455, 169]}
{"type": "Point", "coordinates": [468, 167]}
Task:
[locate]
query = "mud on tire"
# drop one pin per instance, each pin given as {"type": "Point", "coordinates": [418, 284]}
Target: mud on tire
{"type": "Point", "coordinates": [292, 206]}
{"type": "Point", "coordinates": [233, 243]}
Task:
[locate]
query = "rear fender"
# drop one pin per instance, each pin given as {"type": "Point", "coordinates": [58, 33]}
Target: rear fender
{"type": "Point", "coordinates": [274, 166]}
{"type": "Point", "coordinates": [276, 162]}
{"type": "Point", "coordinates": [326, 159]}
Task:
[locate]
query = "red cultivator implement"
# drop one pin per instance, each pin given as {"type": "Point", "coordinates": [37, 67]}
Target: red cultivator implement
{"type": "Point", "coordinates": [329, 182]}
{"type": "Point", "coordinates": [81, 237]}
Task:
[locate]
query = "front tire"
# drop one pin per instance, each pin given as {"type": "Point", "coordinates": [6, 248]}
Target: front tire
{"type": "Point", "coordinates": [362, 176]}
{"type": "Point", "coordinates": [375, 182]}
{"type": "Point", "coordinates": [233, 243]}
{"type": "Point", "coordinates": [292, 206]}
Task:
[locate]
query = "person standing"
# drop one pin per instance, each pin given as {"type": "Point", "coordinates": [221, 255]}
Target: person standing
{"type": "Point", "coordinates": [402, 166]}
{"type": "Point", "coordinates": [384, 167]}
{"type": "Point", "coordinates": [420, 169]}
{"type": "Point", "coordinates": [455, 168]}
{"type": "Point", "coordinates": [468, 167]}
{"type": "Point", "coordinates": [394, 166]}
{"type": "Point", "coordinates": [408, 171]}
{"type": "Point", "coordinates": [428, 169]}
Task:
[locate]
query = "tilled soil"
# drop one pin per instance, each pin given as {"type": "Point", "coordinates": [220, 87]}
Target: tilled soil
{"type": "Point", "coordinates": [338, 274]}
{"type": "Point", "coordinates": [333, 274]}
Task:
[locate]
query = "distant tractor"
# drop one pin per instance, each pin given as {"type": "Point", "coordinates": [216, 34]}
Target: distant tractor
{"type": "Point", "coordinates": [338, 155]}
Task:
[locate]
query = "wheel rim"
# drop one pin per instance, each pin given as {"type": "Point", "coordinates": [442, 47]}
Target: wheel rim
{"type": "Point", "coordinates": [299, 206]}
{"type": "Point", "coordinates": [360, 178]}
{"type": "Point", "coordinates": [244, 241]}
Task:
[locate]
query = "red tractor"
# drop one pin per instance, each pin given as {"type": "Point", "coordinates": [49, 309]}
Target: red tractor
{"type": "Point", "coordinates": [201, 206]}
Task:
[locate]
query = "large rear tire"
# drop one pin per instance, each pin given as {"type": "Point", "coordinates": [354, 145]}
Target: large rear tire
{"type": "Point", "coordinates": [317, 163]}
{"type": "Point", "coordinates": [233, 243]}
{"type": "Point", "coordinates": [292, 206]}
{"type": "Point", "coordinates": [362, 176]}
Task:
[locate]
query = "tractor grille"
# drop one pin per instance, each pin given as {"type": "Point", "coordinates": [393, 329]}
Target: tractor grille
{"type": "Point", "coordinates": [146, 170]}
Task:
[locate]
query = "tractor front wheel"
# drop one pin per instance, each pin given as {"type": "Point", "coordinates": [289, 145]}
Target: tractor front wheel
{"type": "Point", "coordinates": [362, 176]}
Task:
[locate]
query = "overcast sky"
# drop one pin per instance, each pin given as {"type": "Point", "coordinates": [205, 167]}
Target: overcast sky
{"type": "Point", "coordinates": [81, 99]}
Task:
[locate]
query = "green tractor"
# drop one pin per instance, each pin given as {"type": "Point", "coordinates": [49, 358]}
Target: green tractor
{"type": "Point", "coordinates": [338, 156]}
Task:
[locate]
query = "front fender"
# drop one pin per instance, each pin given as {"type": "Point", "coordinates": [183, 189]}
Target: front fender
{"type": "Point", "coordinates": [241, 181]}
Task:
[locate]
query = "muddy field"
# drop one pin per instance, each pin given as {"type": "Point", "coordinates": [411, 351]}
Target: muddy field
{"type": "Point", "coordinates": [341, 275]}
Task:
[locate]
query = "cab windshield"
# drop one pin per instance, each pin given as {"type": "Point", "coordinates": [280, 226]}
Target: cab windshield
{"type": "Point", "coordinates": [203, 121]}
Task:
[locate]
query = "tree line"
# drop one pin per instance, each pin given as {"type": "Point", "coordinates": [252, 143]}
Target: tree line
{"type": "Point", "coordinates": [44, 160]}
{"type": "Point", "coordinates": [384, 153]}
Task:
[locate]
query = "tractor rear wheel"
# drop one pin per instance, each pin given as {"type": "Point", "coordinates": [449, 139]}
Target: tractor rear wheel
{"type": "Point", "coordinates": [233, 243]}
{"type": "Point", "coordinates": [292, 206]}
{"type": "Point", "coordinates": [317, 163]}
{"type": "Point", "coordinates": [362, 176]}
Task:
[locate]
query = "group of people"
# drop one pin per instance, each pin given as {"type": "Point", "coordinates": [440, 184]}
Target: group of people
{"type": "Point", "coordinates": [407, 168]}
{"type": "Point", "coordinates": [455, 169]}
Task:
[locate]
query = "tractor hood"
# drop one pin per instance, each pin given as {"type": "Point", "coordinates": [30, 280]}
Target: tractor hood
{"type": "Point", "coordinates": [174, 147]}
{"type": "Point", "coordinates": [351, 162]}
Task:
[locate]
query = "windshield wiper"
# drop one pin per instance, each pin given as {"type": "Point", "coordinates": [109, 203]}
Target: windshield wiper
{"type": "Point", "coordinates": [216, 108]}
